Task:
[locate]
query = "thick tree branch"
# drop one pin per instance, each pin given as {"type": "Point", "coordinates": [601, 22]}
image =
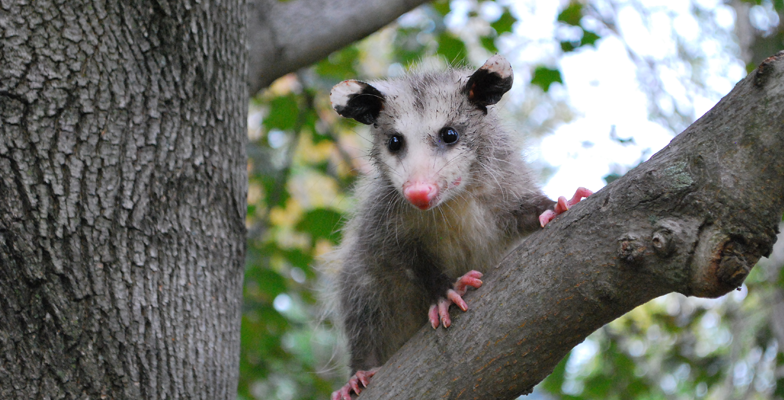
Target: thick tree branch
{"type": "Point", "coordinates": [694, 219]}
{"type": "Point", "coordinates": [286, 36]}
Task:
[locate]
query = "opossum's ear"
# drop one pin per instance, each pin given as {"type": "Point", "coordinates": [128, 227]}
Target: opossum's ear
{"type": "Point", "coordinates": [489, 83]}
{"type": "Point", "coordinates": [358, 100]}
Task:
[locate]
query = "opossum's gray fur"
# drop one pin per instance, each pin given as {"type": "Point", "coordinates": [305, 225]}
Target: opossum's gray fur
{"type": "Point", "coordinates": [382, 303]}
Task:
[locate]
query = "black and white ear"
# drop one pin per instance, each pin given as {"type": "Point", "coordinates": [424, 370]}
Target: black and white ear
{"type": "Point", "coordinates": [358, 100]}
{"type": "Point", "coordinates": [489, 83]}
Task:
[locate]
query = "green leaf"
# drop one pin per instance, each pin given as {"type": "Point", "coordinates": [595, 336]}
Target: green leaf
{"type": "Point", "coordinates": [567, 47]}
{"type": "Point", "coordinates": [310, 118]}
{"type": "Point", "coordinates": [488, 42]}
{"type": "Point", "coordinates": [504, 23]}
{"type": "Point", "coordinates": [283, 114]}
{"type": "Point", "coordinates": [271, 325]}
{"type": "Point", "coordinates": [321, 223]}
{"type": "Point", "coordinates": [442, 7]}
{"type": "Point", "coordinates": [451, 47]}
{"type": "Point", "coordinates": [270, 282]}
{"type": "Point", "coordinates": [340, 64]}
{"type": "Point", "coordinates": [406, 47]}
{"type": "Point", "coordinates": [599, 387]}
{"type": "Point", "coordinates": [780, 280]}
{"type": "Point", "coordinates": [589, 38]}
{"type": "Point", "coordinates": [611, 177]}
{"type": "Point", "coordinates": [779, 392]}
{"type": "Point", "coordinates": [556, 379]}
{"type": "Point", "coordinates": [544, 77]}
{"type": "Point", "coordinates": [276, 192]}
{"type": "Point", "coordinates": [298, 258]}
{"type": "Point", "coordinates": [572, 14]}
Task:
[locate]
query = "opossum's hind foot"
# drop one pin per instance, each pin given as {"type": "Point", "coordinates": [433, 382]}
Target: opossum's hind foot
{"type": "Point", "coordinates": [360, 377]}
{"type": "Point", "coordinates": [563, 205]}
{"type": "Point", "coordinates": [439, 312]}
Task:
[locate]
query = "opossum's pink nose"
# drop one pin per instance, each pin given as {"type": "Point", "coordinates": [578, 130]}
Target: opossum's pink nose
{"type": "Point", "coordinates": [420, 194]}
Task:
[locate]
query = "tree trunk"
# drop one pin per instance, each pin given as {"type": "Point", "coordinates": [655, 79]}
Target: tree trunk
{"type": "Point", "coordinates": [694, 219]}
{"type": "Point", "coordinates": [122, 198]}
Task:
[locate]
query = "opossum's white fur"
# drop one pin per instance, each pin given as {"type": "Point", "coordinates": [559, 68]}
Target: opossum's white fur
{"type": "Point", "coordinates": [473, 226]}
{"type": "Point", "coordinates": [464, 227]}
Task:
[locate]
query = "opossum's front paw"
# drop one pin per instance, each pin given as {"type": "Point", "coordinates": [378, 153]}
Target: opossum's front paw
{"type": "Point", "coordinates": [362, 377]}
{"type": "Point", "coordinates": [440, 310]}
{"type": "Point", "coordinates": [563, 205]}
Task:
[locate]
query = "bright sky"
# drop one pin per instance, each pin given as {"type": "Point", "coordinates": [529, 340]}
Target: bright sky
{"type": "Point", "coordinates": [603, 89]}
{"type": "Point", "coordinates": [605, 99]}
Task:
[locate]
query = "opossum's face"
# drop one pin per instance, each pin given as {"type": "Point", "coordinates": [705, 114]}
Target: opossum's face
{"type": "Point", "coordinates": [427, 128]}
{"type": "Point", "coordinates": [426, 155]}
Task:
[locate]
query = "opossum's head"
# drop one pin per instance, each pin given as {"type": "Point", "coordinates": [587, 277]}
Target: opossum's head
{"type": "Point", "coordinates": [429, 130]}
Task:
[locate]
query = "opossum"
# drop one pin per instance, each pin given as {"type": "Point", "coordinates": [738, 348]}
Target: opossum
{"type": "Point", "coordinates": [449, 196]}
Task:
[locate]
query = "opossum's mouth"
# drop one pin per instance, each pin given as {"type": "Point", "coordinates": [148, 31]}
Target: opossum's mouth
{"type": "Point", "coordinates": [420, 196]}
{"type": "Point", "coordinates": [423, 207]}
{"type": "Point", "coordinates": [425, 195]}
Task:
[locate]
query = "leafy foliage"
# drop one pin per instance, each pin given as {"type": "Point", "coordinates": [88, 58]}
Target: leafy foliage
{"type": "Point", "coordinates": [451, 47]}
{"type": "Point", "coordinates": [544, 77]}
{"type": "Point", "coordinates": [680, 348]}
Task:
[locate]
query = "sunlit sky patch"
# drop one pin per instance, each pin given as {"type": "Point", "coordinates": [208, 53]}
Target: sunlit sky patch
{"type": "Point", "coordinates": [603, 88]}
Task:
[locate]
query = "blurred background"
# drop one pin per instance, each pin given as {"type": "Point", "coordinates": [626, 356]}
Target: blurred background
{"type": "Point", "coordinates": [600, 86]}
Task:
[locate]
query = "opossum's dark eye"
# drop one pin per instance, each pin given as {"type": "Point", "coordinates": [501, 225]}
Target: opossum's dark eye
{"type": "Point", "coordinates": [395, 143]}
{"type": "Point", "coordinates": [449, 135]}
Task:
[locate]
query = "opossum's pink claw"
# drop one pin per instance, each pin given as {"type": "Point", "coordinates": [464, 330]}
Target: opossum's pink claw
{"type": "Point", "coordinates": [456, 299]}
{"type": "Point", "coordinates": [579, 194]}
{"type": "Point", "coordinates": [471, 278]}
{"type": "Point", "coordinates": [432, 315]}
{"type": "Point", "coordinates": [365, 376]}
{"type": "Point", "coordinates": [439, 312]}
{"type": "Point", "coordinates": [362, 377]}
{"type": "Point", "coordinates": [563, 205]}
{"type": "Point", "coordinates": [343, 393]}
{"type": "Point", "coordinates": [354, 383]}
{"type": "Point", "coordinates": [546, 217]}
{"type": "Point", "coordinates": [443, 312]}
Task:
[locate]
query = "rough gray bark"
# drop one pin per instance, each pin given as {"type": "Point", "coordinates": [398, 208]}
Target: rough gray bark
{"type": "Point", "coordinates": [694, 219]}
{"type": "Point", "coordinates": [122, 198]}
{"type": "Point", "coordinates": [286, 36]}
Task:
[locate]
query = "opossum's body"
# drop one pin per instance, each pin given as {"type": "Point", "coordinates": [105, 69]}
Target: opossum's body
{"type": "Point", "coordinates": [450, 193]}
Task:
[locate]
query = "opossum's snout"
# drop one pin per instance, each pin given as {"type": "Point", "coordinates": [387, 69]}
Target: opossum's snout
{"type": "Point", "coordinates": [421, 194]}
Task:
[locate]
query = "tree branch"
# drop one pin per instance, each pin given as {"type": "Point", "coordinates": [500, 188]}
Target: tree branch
{"type": "Point", "coordinates": [286, 36]}
{"type": "Point", "coordinates": [694, 219]}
